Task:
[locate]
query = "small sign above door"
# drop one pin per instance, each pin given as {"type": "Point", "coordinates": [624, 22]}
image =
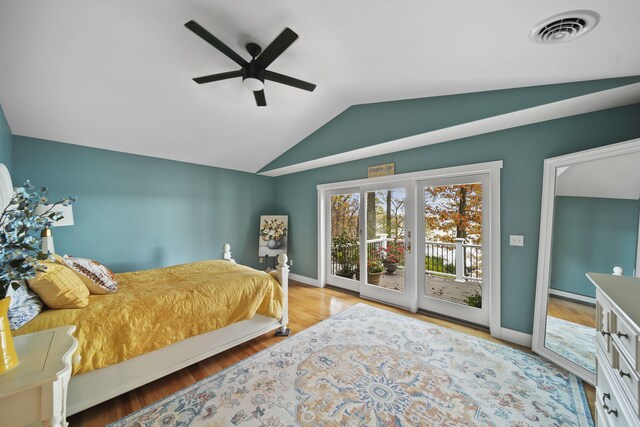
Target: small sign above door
{"type": "Point", "coordinates": [381, 170]}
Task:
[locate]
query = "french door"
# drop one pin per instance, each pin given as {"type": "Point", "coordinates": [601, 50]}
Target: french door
{"type": "Point", "coordinates": [343, 237]}
{"type": "Point", "coordinates": [369, 233]}
{"type": "Point", "coordinates": [387, 230]}
{"type": "Point", "coordinates": [453, 242]}
{"type": "Point", "coordinates": [420, 243]}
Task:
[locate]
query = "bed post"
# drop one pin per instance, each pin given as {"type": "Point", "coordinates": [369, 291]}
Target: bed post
{"type": "Point", "coordinates": [282, 275]}
{"type": "Point", "coordinates": [227, 253]}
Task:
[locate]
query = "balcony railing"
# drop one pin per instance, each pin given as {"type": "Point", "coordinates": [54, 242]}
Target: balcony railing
{"type": "Point", "coordinates": [458, 260]}
{"type": "Point", "coordinates": [347, 255]}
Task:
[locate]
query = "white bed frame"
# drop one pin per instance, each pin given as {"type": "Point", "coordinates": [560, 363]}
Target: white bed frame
{"type": "Point", "coordinates": [89, 389]}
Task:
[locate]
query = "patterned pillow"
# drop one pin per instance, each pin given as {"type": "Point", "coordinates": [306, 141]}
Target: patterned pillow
{"type": "Point", "coordinates": [25, 305]}
{"type": "Point", "coordinates": [98, 278]}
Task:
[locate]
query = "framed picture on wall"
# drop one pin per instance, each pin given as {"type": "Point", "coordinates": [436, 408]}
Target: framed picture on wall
{"type": "Point", "coordinates": [274, 234]}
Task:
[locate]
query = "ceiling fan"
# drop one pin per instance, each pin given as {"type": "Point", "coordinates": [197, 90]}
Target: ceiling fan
{"type": "Point", "coordinates": [255, 72]}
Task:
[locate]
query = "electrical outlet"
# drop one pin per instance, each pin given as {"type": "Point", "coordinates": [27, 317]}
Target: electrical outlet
{"type": "Point", "coordinates": [291, 262]}
{"type": "Point", "coordinates": [516, 240]}
{"type": "Point", "coordinates": [261, 260]}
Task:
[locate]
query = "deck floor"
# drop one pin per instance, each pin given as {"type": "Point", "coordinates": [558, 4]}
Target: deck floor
{"type": "Point", "coordinates": [435, 286]}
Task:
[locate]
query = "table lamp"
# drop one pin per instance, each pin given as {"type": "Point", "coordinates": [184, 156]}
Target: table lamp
{"type": "Point", "coordinates": [47, 237]}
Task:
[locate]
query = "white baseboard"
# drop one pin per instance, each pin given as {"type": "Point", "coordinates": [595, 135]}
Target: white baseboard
{"type": "Point", "coordinates": [569, 295]}
{"type": "Point", "coordinates": [516, 337]}
{"type": "Point", "coordinates": [304, 279]}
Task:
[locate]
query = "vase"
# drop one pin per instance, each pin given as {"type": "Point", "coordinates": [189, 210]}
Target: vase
{"type": "Point", "coordinates": [390, 267]}
{"type": "Point", "coordinates": [348, 274]}
{"type": "Point", "coordinates": [273, 243]}
{"type": "Point", "coordinates": [374, 278]}
{"type": "Point", "coordinates": [8, 355]}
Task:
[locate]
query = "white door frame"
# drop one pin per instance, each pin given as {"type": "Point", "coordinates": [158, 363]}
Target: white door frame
{"type": "Point", "coordinates": [475, 315]}
{"type": "Point", "coordinates": [492, 168]}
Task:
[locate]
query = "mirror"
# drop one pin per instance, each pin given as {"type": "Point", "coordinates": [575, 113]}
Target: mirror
{"type": "Point", "coordinates": [589, 223]}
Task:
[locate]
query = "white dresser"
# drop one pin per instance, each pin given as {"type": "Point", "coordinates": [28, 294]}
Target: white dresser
{"type": "Point", "coordinates": [617, 349]}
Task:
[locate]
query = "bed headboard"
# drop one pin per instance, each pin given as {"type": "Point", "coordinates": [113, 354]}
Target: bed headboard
{"type": "Point", "coordinates": [6, 188]}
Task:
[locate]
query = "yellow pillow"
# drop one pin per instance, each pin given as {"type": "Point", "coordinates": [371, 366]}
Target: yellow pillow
{"type": "Point", "coordinates": [59, 287]}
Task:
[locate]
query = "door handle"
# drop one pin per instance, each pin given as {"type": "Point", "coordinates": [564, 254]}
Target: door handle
{"type": "Point", "coordinates": [408, 247]}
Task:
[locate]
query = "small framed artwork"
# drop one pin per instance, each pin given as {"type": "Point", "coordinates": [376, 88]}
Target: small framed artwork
{"type": "Point", "coordinates": [274, 234]}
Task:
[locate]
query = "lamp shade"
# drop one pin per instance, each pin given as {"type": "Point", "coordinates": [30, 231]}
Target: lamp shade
{"type": "Point", "coordinates": [66, 211]}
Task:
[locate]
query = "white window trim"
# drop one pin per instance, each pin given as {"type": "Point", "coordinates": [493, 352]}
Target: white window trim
{"type": "Point", "coordinates": [491, 168]}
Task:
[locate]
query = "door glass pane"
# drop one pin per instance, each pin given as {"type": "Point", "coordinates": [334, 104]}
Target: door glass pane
{"type": "Point", "coordinates": [385, 238]}
{"type": "Point", "coordinates": [345, 245]}
{"type": "Point", "coordinates": [453, 243]}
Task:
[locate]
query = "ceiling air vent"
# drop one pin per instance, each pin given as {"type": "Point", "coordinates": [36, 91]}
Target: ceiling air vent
{"type": "Point", "coordinates": [564, 27]}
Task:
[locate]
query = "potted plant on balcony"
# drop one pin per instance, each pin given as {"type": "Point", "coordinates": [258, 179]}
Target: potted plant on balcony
{"type": "Point", "coordinates": [392, 256]}
{"type": "Point", "coordinates": [345, 255]}
{"type": "Point", "coordinates": [374, 271]}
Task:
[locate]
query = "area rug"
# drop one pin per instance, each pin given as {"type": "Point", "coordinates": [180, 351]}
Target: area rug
{"type": "Point", "coordinates": [370, 367]}
{"type": "Point", "coordinates": [572, 341]}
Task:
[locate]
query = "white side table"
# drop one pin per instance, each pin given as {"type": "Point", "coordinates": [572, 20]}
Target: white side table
{"type": "Point", "coordinates": [35, 392]}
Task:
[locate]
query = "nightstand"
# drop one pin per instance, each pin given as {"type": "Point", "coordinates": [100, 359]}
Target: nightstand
{"type": "Point", "coordinates": [35, 392]}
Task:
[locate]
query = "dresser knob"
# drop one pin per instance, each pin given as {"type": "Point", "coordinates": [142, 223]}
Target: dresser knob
{"type": "Point", "coordinates": [613, 411]}
{"type": "Point", "coordinates": [620, 335]}
{"type": "Point", "coordinates": [605, 333]}
{"type": "Point", "coordinates": [624, 374]}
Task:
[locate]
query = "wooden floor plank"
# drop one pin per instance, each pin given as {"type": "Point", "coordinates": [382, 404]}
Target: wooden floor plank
{"type": "Point", "coordinates": [308, 306]}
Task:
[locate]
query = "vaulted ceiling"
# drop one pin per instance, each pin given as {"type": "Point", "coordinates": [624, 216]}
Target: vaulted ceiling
{"type": "Point", "coordinates": [117, 74]}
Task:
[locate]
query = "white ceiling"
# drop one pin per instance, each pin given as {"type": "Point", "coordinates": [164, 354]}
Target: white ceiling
{"type": "Point", "coordinates": [616, 177]}
{"type": "Point", "coordinates": [117, 74]}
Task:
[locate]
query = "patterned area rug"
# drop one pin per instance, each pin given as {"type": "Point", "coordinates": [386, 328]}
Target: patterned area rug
{"type": "Point", "coordinates": [370, 367]}
{"type": "Point", "coordinates": [572, 341]}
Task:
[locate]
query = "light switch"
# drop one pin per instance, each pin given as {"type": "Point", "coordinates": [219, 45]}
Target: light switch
{"type": "Point", "coordinates": [516, 240]}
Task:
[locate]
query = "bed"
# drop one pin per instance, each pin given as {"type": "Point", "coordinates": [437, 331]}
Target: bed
{"type": "Point", "coordinates": [106, 379]}
{"type": "Point", "coordinates": [96, 386]}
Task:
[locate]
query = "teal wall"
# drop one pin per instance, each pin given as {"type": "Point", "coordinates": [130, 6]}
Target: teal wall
{"type": "Point", "coordinates": [522, 149]}
{"type": "Point", "coordinates": [135, 212]}
{"type": "Point", "coordinates": [369, 124]}
{"type": "Point", "coordinates": [5, 141]}
{"type": "Point", "coordinates": [592, 235]}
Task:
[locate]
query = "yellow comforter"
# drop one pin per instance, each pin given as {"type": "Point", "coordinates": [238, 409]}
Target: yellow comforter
{"type": "Point", "coordinates": [155, 308]}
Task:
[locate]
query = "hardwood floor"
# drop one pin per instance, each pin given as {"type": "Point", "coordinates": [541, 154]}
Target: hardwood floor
{"type": "Point", "coordinates": [307, 306]}
{"type": "Point", "coordinates": [576, 312]}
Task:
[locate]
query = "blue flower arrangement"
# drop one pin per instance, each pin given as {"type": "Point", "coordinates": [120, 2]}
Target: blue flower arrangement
{"type": "Point", "coordinates": [20, 228]}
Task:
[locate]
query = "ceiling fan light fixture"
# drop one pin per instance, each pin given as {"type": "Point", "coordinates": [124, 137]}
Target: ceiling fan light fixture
{"type": "Point", "coordinates": [254, 72]}
{"type": "Point", "coordinates": [253, 84]}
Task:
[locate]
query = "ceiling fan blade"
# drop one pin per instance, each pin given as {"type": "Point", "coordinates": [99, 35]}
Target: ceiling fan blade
{"type": "Point", "coordinates": [213, 41]}
{"type": "Point", "coordinates": [290, 81]}
{"type": "Point", "coordinates": [279, 45]}
{"type": "Point", "coordinates": [260, 99]}
{"type": "Point", "coordinates": [219, 76]}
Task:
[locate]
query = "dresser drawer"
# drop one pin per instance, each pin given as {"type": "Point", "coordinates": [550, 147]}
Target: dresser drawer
{"type": "Point", "coordinates": [607, 403]}
{"type": "Point", "coordinates": [603, 323]}
{"type": "Point", "coordinates": [628, 379]}
{"type": "Point", "coordinates": [625, 338]}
